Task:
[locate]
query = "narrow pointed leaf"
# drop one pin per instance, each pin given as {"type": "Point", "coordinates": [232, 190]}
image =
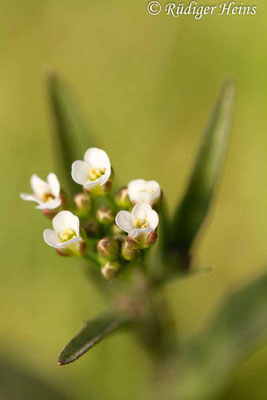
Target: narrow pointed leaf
{"type": "Point", "coordinates": [92, 333]}
{"type": "Point", "coordinates": [71, 138]}
{"type": "Point", "coordinates": [239, 327]}
{"type": "Point", "coordinates": [205, 175]}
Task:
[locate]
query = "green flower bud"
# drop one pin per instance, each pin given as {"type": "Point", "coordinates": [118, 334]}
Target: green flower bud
{"type": "Point", "coordinates": [83, 204]}
{"type": "Point", "coordinates": [108, 248]}
{"type": "Point", "coordinates": [122, 198]}
{"type": "Point", "coordinates": [110, 270]}
{"type": "Point", "coordinates": [105, 215]}
{"type": "Point", "coordinates": [116, 230]}
{"type": "Point", "coordinates": [129, 251]}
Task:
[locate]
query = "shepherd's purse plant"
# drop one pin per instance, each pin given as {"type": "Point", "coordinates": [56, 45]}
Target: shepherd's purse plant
{"type": "Point", "coordinates": [132, 248]}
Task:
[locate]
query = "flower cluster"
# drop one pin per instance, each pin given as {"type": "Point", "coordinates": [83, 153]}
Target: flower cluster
{"type": "Point", "coordinates": [109, 229]}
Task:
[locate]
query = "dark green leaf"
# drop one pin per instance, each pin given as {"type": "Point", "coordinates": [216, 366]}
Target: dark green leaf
{"type": "Point", "coordinates": [239, 327]}
{"type": "Point", "coordinates": [205, 175]}
{"type": "Point", "coordinates": [72, 138]}
{"type": "Point", "coordinates": [91, 334]}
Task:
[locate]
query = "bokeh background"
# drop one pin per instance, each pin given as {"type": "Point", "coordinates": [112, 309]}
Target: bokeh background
{"type": "Point", "coordinates": [146, 84]}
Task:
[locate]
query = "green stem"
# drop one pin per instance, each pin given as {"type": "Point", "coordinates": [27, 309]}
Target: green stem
{"type": "Point", "coordinates": [110, 200]}
{"type": "Point", "coordinates": [164, 349]}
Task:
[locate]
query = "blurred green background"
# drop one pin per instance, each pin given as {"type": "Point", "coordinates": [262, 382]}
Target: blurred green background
{"type": "Point", "coordinates": [146, 84]}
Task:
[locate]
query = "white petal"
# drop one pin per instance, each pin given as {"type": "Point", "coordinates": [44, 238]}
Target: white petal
{"type": "Point", "coordinates": [97, 182]}
{"type": "Point", "coordinates": [49, 205]}
{"type": "Point", "coordinates": [54, 184]}
{"type": "Point", "coordinates": [136, 185]}
{"type": "Point", "coordinates": [140, 211]}
{"type": "Point", "coordinates": [141, 197]}
{"type": "Point", "coordinates": [66, 220]}
{"type": "Point", "coordinates": [51, 238]}
{"type": "Point", "coordinates": [134, 188]}
{"type": "Point", "coordinates": [39, 186]}
{"type": "Point", "coordinates": [29, 197]}
{"type": "Point", "coordinates": [153, 219]}
{"type": "Point", "coordinates": [69, 242]}
{"type": "Point", "coordinates": [80, 171]}
{"type": "Point", "coordinates": [153, 188]}
{"type": "Point", "coordinates": [143, 191]}
{"type": "Point", "coordinates": [124, 220]}
{"type": "Point", "coordinates": [106, 175]}
{"type": "Point", "coordinates": [96, 158]}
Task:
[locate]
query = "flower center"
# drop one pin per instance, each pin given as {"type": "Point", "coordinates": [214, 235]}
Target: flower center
{"type": "Point", "coordinates": [95, 173]}
{"type": "Point", "coordinates": [67, 234]}
{"type": "Point", "coordinates": [141, 223]}
{"type": "Point", "coordinates": [47, 197]}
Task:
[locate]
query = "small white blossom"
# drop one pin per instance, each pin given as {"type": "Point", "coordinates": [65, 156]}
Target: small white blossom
{"type": "Point", "coordinates": [143, 191]}
{"type": "Point", "coordinates": [139, 223]}
{"type": "Point", "coordinates": [94, 171]}
{"type": "Point", "coordinates": [46, 194]}
{"type": "Point", "coordinates": [65, 232]}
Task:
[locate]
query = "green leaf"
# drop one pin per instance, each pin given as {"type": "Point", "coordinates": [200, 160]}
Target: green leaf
{"type": "Point", "coordinates": [239, 327]}
{"type": "Point", "coordinates": [92, 333]}
{"type": "Point", "coordinates": [204, 178]}
{"type": "Point", "coordinates": [71, 138]}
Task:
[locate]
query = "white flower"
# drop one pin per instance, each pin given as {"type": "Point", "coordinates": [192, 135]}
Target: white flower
{"type": "Point", "coordinates": [66, 230]}
{"type": "Point", "coordinates": [139, 223]}
{"type": "Point", "coordinates": [94, 171]}
{"type": "Point", "coordinates": [140, 190]}
{"type": "Point", "coordinates": [46, 194]}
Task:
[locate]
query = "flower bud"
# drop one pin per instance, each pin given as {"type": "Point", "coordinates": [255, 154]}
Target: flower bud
{"type": "Point", "coordinates": [116, 230]}
{"type": "Point", "coordinates": [108, 248]}
{"type": "Point", "coordinates": [83, 204]}
{"type": "Point", "coordinates": [105, 215]}
{"type": "Point", "coordinates": [82, 248]}
{"type": "Point", "coordinates": [152, 238]}
{"type": "Point", "coordinates": [50, 214]}
{"type": "Point", "coordinates": [63, 252]}
{"type": "Point", "coordinates": [122, 198]}
{"type": "Point", "coordinates": [110, 270]}
{"type": "Point", "coordinates": [77, 249]}
{"type": "Point", "coordinates": [129, 251]}
{"type": "Point", "coordinates": [107, 187]}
